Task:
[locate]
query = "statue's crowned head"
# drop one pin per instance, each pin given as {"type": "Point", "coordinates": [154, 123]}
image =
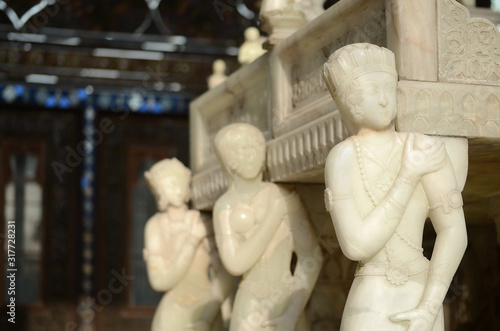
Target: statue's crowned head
{"type": "Point", "coordinates": [349, 63]}
{"type": "Point", "coordinates": [241, 148]}
{"type": "Point", "coordinates": [169, 180]}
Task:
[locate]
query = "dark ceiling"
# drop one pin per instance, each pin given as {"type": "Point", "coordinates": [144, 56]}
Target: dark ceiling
{"type": "Point", "coordinates": [212, 19]}
{"type": "Point", "coordinates": [88, 42]}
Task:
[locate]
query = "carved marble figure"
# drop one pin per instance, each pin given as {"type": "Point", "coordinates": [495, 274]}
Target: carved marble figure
{"type": "Point", "coordinates": [218, 76]}
{"type": "Point", "coordinates": [259, 226]}
{"type": "Point", "coordinates": [251, 49]}
{"type": "Point", "coordinates": [180, 255]}
{"type": "Point", "coordinates": [381, 186]}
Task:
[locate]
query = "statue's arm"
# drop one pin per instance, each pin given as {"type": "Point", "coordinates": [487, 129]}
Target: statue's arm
{"type": "Point", "coordinates": [238, 257]}
{"type": "Point", "coordinates": [360, 238]}
{"type": "Point", "coordinates": [164, 272]}
{"type": "Point", "coordinates": [447, 216]}
{"type": "Point", "coordinates": [223, 283]}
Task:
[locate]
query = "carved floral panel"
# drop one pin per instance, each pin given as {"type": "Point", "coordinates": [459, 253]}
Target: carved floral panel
{"type": "Point", "coordinates": [469, 48]}
{"type": "Point", "coordinates": [449, 109]}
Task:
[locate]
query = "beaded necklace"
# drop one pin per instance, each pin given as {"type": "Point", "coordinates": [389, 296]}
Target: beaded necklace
{"type": "Point", "coordinates": [395, 266]}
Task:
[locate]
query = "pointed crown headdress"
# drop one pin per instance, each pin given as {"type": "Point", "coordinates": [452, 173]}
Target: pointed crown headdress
{"type": "Point", "coordinates": [351, 61]}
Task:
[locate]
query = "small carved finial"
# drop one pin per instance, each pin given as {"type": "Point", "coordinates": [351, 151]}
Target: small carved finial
{"type": "Point", "coordinates": [218, 76]}
{"type": "Point", "coordinates": [251, 49]}
{"type": "Point", "coordinates": [281, 18]}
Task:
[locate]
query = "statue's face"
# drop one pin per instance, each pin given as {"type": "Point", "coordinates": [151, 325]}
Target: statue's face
{"type": "Point", "coordinates": [377, 106]}
{"type": "Point", "coordinates": [246, 157]}
{"type": "Point", "coordinates": [172, 190]}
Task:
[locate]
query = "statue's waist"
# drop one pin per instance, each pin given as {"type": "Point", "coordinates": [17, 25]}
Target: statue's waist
{"type": "Point", "coordinates": [397, 273]}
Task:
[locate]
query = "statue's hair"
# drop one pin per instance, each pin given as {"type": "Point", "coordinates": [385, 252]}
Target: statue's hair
{"type": "Point", "coordinates": [348, 63]}
{"type": "Point", "coordinates": [229, 136]}
{"type": "Point", "coordinates": [166, 168]}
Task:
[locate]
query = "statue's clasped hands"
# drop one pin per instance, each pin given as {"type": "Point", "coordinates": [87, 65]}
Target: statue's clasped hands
{"type": "Point", "coordinates": [192, 229]}
{"type": "Point", "coordinates": [422, 155]}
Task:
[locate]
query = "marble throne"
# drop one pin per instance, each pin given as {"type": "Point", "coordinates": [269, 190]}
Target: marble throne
{"type": "Point", "coordinates": [449, 85]}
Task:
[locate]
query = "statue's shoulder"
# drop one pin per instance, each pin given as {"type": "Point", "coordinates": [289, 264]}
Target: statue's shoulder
{"type": "Point", "coordinates": [272, 190]}
{"type": "Point", "coordinates": [222, 203]}
{"type": "Point", "coordinates": [156, 218]}
{"type": "Point", "coordinates": [270, 187]}
{"type": "Point", "coordinates": [289, 194]}
{"type": "Point", "coordinates": [153, 226]}
{"type": "Point", "coordinates": [340, 153]}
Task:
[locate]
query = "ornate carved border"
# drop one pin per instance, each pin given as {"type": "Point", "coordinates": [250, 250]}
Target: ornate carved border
{"type": "Point", "coordinates": [469, 48]}
{"type": "Point", "coordinates": [449, 109]}
{"type": "Point", "coordinates": [300, 155]}
{"type": "Point", "coordinates": [207, 187]}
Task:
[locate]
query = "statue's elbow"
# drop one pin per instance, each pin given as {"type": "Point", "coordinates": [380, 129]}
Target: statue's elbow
{"type": "Point", "coordinates": [159, 284]}
{"type": "Point", "coordinates": [235, 268]}
{"type": "Point", "coordinates": [160, 280]}
{"type": "Point", "coordinates": [355, 252]}
{"type": "Point", "coordinates": [235, 264]}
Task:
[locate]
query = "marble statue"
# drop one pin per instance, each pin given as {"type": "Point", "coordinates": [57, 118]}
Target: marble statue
{"type": "Point", "coordinates": [251, 49]}
{"type": "Point", "coordinates": [259, 227]}
{"type": "Point", "coordinates": [180, 255]}
{"type": "Point", "coordinates": [218, 76]}
{"type": "Point", "coordinates": [381, 186]}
